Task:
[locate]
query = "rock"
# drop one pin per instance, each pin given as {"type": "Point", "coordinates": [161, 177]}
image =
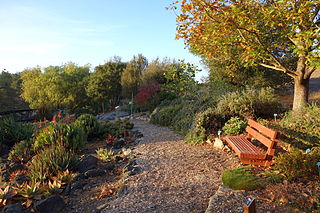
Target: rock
{"type": "Point", "coordinates": [94, 173]}
{"type": "Point", "coordinates": [134, 171]}
{"type": "Point", "coordinates": [87, 163]}
{"type": "Point", "coordinates": [76, 185]}
{"type": "Point", "coordinates": [118, 158]}
{"type": "Point", "coordinates": [95, 210]}
{"type": "Point", "coordinates": [218, 143]}
{"type": "Point", "coordinates": [123, 190]}
{"type": "Point", "coordinates": [109, 166]}
{"type": "Point", "coordinates": [118, 144]}
{"type": "Point", "coordinates": [13, 208]}
{"type": "Point", "coordinates": [103, 206]}
{"type": "Point", "coordinates": [52, 204]}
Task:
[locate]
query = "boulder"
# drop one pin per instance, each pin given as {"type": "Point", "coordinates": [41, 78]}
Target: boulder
{"type": "Point", "coordinates": [52, 204]}
{"type": "Point", "coordinates": [14, 208]}
{"type": "Point", "coordinates": [118, 144]}
{"type": "Point", "coordinates": [218, 144]}
{"type": "Point", "coordinates": [94, 173]}
{"type": "Point", "coordinates": [87, 163]}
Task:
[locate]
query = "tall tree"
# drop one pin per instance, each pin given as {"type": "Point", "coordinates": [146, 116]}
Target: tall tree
{"type": "Point", "coordinates": [131, 76]}
{"type": "Point", "coordinates": [268, 33]}
{"type": "Point", "coordinates": [104, 83]}
{"type": "Point", "coordinates": [55, 87]}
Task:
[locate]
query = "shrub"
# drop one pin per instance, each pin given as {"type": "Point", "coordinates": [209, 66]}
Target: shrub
{"type": "Point", "coordinates": [117, 129]}
{"type": "Point", "coordinates": [22, 151]}
{"type": "Point", "coordinates": [12, 132]}
{"type": "Point", "coordinates": [90, 124]}
{"type": "Point", "coordinates": [205, 123]}
{"type": "Point", "coordinates": [234, 126]}
{"type": "Point", "coordinates": [297, 164]}
{"type": "Point", "coordinates": [241, 179]}
{"type": "Point", "coordinates": [303, 125]}
{"type": "Point", "coordinates": [250, 103]}
{"type": "Point", "coordinates": [70, 136]}
{"type": "Point", "coordinates": [50, 161]}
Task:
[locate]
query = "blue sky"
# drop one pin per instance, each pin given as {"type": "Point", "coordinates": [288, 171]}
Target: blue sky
{"type": "Point", "coordinates": [47, 32]}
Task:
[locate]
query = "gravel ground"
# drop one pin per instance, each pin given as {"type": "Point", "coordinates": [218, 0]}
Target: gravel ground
{"type": "Point", "coordinates": [175, 176]}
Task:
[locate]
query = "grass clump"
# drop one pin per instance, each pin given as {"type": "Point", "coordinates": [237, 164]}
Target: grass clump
{"type": "Point", "coordinates": [241, 179]}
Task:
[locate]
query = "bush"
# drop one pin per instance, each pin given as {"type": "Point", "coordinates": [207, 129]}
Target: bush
{"type": "Point", "coordinates": [241, 179]}
{"type": "Point", "coordinates": [90, 124]}
{"type": "Point", "coordinates": [297, 164]}
{"type": "Point", "coordinates": [70, 136]}
{"type": "Point", "coordinates": [22, 151]}
{"type": "Point", "coordinates": [250, 103]}
{"type": "Point", "coordinates": [234, 126]}
{"type": "Point", "coordinates": [12, 132]}
{"type": "Point", "coordinates": [205, 123]}
{"type": "Point", "coordinates": [117, 129]}
{"type": "Point", "coordinates": [49, 162]}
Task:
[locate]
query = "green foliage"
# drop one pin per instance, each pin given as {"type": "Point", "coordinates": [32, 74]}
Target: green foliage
{"type": "Point", "coordinates": [234, 126]}
{"type": "Point", "coordinates": [299, 128]}
{"type": "Point", "coordinates": [50, 161]}
{"type": "Point", "coordinates": [118, 128]}
{"type": "Point", "coordinates": [56, 86]}
{"type": "Point", "coordinates": [90, 124]}
{"type": "Point", "coordinates": [104, 83]}
{"type": "Point", "coordinates": [12, 132]}
{"type": "Point", "coordinates": [10, 90]}
{"type": "Point", "coordinates": [241, 179]}
{"type": "Point", "coordinates": [250, 103]}
{"type": "Point", "coordinates": [70, 136]}
{"type": "Point", "coordinates": [205, 123]}
{"type": "Point", "coordinates": [131, 76]}
{"type": "Point", "coordinates": [180, 79]}
{"type": "Point", "coordinates": [21, 152]}
{"type": "Point", "coordinates": [298, 164]}
{"type": "Point", "coordinates": [104, 154]}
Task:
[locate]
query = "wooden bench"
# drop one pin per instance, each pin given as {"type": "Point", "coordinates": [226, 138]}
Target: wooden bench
{"type": "Point", "coordinates": [249, 153]}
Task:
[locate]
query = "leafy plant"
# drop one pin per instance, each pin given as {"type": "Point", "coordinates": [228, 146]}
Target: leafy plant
{"type": "Point", "coordinates": [116, 129]}
{"type": "Point", "coordinates": [297, 164]}
{"type": "Point", "coordinates": [21, 152]}
{"type": "Point", "coordinates": [234, 126]}
{"type": "Point", "coordinates": [12, 132]}
{"type": "Point", "coordinates": [30, 190]}
{"type": "Point", "coordinates": [205, 123]}
{"type": "Point", "coordinates": [49, 162]}
{"type": "Point", "coordinates": [89, 123]}
{"type": "Point", "coordinates": [71, 136]}
{"type": "Point", "coordinates": [104, 154]}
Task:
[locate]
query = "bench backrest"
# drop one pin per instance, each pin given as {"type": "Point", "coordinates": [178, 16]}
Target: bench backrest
{"type": "Point", "coordinates": [266, 136]}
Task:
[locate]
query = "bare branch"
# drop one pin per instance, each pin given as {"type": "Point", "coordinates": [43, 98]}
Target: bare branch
{"type": "Point", "coordinates": [290, 73]}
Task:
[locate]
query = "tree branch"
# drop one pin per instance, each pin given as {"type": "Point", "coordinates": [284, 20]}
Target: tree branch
{"type": "Point", "coordinates": [290, 73]}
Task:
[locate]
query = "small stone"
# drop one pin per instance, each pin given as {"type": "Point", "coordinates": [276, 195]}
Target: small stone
{"type": "Point", "coordinates": [52, 204]}
{"type": "Point", "coordinates": [87, 163]}
{"type": "Point", "coordinates": [126, 152]}
{"type": "Point", "coordinates": [209, 141]}
{"type": "Point", "coordinates": [218, 143]}
{"type": "Point", "coordinates": [94, 173]}
{"type": "Point", "coordinates": [103, 206]}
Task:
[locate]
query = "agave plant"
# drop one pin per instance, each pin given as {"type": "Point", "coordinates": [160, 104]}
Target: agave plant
{"type": "Point", "coordinates": [30, 190]}
{"type": "Point", "coordinates": [104, 154]}
{"type": "Point", "coordinates": [6, 195]}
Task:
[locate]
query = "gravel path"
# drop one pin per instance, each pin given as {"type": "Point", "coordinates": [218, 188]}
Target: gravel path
{"type": "Point", "coordinates": [175, 177]}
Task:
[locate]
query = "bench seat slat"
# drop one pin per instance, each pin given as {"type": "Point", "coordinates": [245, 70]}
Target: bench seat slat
{"type": "Point", "coordinates": [244, 148]}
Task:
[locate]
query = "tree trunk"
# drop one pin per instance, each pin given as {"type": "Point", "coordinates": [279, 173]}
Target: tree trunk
{"type": "Point", "coordinates": [301, 93]}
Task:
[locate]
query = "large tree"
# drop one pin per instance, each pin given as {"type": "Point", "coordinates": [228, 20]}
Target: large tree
{"type": "Point", "coordinates": [269, 33]}
{"type": "Point", "coordinates": [55, 86]}
{"type": "Point", "coordinates": [104, 83]}
{"type": "Point", "coordinates": [131, 76]}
